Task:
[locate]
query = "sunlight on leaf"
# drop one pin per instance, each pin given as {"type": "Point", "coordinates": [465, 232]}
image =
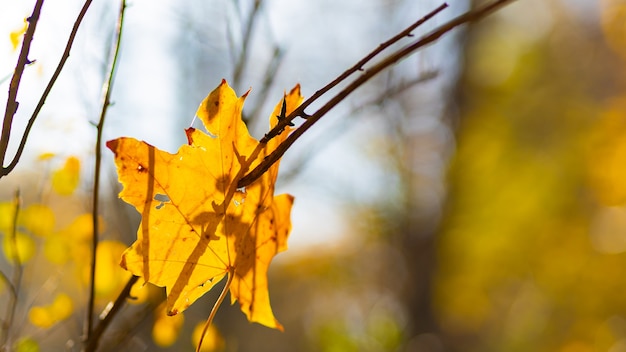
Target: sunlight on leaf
{"type": "Point", "coordinates": [207, 228]}
{"type": "Point", "coordinates": [66, 179]}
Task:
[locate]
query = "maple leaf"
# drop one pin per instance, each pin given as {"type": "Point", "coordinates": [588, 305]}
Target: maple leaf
{"type": "Point", "coordinates": [197, 227]}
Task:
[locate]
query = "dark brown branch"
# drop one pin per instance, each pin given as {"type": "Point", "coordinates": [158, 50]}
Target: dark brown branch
{"type": "Point", "coordinates": [92, 343]}
{"type": "Point", "coordinates": [368, 74]}
{"type": "Point", "coordinates": [106, 99]}
{"type": "Point", "coordinates": [22, 61]}
{"type": "Point", "coordinates": [318, 145]}
{"type": "Point", "coordinates": [66, 54]}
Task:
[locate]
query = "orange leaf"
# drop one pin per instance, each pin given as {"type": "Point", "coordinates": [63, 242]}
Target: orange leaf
{"type": "Point", "coordinates": [197, 227]}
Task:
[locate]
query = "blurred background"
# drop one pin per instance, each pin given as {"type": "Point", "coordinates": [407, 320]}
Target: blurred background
{"type": "Point", "coordinates": [470, 198]}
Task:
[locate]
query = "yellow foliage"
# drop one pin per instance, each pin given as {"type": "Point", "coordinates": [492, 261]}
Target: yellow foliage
{"type": "Point", "coordinates": [62, 307]}
{"type": "Point", "coordinates": [613, 17]}
{"type": "Point", "coordinates": [7, 212]}
{"type": "Point", "coordinates": [196, 225]}
{"type": "Point", "coordinates": [213, 340]}
{"type": "Point", "coordinates": [166, 328]}
{"type": "Point", "coordinates": [26, 344]}
{"type": "Point", "coordinates": [81, 229]}
{"type": "Point", "coordinates": [66, 179]}
{"type": "Point", "coordinates": [110, 278]}
{"type": "Point", "coordinates": [16, 35]}
{"type": "Point", "coordinates": [607, 155]}
{"type": "Point", "coordinates": [45, 156]}
{"type": "Point", "coordinates": [25, 247]}
{"type": "Point", "coordinates": [140, 292]}
{"type": "Point", "coordinates": [41, 317]}
{"type": "Point", "coordinates": [46, 316]}
{"type": "Point", "coordinates": [56, 249]}
{"type": "Point", "coordinates": [38, 219]}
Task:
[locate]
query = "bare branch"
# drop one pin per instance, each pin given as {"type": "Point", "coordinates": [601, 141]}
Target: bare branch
{"type": "Point", "coordinates": [22, 61]}
{"type": "Point", "coordinates": [66, 54]}
{"type": "Point", "coordinates": [106, 96]}
{"type": "Point", "coordinates": [92, 343]}
{"type": "Point", "coordinates": [367, 75]}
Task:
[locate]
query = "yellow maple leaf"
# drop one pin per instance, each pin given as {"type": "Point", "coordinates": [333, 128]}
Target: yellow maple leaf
{"type": "Point", "coordinates": [197, 227]}
{"type": "Point", "coordinates": [66, 179]}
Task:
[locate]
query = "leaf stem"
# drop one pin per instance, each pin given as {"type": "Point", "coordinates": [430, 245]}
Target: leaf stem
{"type": "Point", "coordinates": [106, 96]}
{"type": "Point", "coordinates": [269, 160]}
{"type": "Point", "coordinates": [7, 121]}
{"type": "Point", "coordinates": [218, 303]}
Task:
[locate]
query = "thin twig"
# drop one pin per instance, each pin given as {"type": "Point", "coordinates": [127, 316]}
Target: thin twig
{"type": "Point", "coordinates": [216, 306]}
{"type": "Point", "coordinates": [16, 280]}
{"type": "Point", "coordinates": [356, 68]}
{"type": "Point", "coordinates": [92, 343]}
{"type": "Point", "coordinates": [269, 160]}
{"type": "Point", "coordinates": [247, 34]}
{"type": "Point", "coordinates": [318, 145]}
{"type": "Point", "coordinates": [22, 61]}
{"type": "Point", "coordinates": [268, 79]}
{"type": "Point", "coordinates": [106, 96]}
{"type": "Point", "coordinates": [66, 54]}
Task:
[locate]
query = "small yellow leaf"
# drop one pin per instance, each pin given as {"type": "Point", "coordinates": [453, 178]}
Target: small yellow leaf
{"type": "Point", "coordinates": [56, 249]}
{"type": "Point", "coordinates": [45, 156]}
{"type": "Point", "coordinates": [62, 307]}
{"type": "Point", "coordinates": [38, 219]}
{"type": "Point", "coordinates": [110, 278]}
{"type": "Point", "coordinates": [16, 35]}
{"type": "Point", "coordinates": [26, 344]}
{"type": "Point", "coordinates": [7, 212]}
{"type": "Point", "coordinates": [213, 340]}
{"type": "Point", "coordinates": [140, 293]}
{"type": "Point", "coordinates": [81, 229]}
{"type": "Point", "coordinates": [166, 328]}
{"type": "Point", "coordinates": [46, 316]}
{"type": "Point", "coordinates": [65, 180]}
{"type": "Point", "coordinates": [164, 334]}
{"type": "Point", "coordinates": [25, 247]}
{"type": "Point", "coordinates": [41, 317]}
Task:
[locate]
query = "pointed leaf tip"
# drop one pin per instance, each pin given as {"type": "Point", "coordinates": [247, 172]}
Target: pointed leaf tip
{"type": "Point", "coordinates": [112, 144]}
